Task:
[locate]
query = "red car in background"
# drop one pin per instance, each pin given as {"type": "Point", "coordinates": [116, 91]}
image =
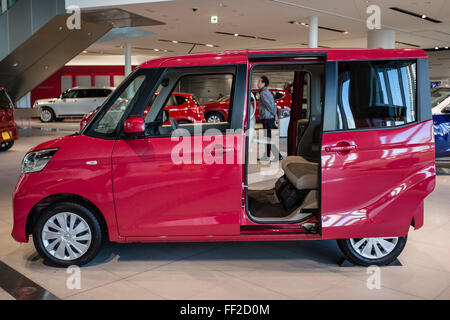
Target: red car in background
{"type": "Point", "coordinates": [8, 128]}
{"type": "Point", "coordinates": [217, 111]}
{"type": "Point", "coordinates": [183, 107]}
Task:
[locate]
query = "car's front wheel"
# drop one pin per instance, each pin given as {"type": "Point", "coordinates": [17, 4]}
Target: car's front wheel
{"type": "Point", "coordinates": [372, 251]}
{"type": "Point", "coordinates": [47, 115]}
{"type": "Point", "coordinates": [6, 145]}
{"type": "Point", "coordinates": [67, 234]}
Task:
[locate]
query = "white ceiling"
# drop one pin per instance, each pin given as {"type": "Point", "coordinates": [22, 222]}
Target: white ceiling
{"type": "Point", "coordinates": [268, 18]}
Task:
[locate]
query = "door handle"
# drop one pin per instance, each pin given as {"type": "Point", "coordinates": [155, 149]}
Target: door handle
{"type": "Point", "coordinates": [342, 147]}
{"type": "Point", "coordinates": [218, 149]}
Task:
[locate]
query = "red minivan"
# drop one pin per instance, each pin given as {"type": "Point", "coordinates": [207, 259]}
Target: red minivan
{"type": "Point", "coordinates": [360, 144]}
{"type": "Point", "coordinates": [8, 128]}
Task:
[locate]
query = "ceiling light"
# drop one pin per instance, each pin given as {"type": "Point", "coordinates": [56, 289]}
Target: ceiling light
{"type": "Point", "coordinates": [189, 43]}
{"type": "Point", "coordinates": [320, 27]}
{"type": "Point", "coordinates": [85, 51]}
{"type": "Point", "coordinates": [245, 36]}
{"type": "Point", "coordinates": [436, 48]}
{"type": "Point", "coordinates": [414, 14]}
{"type": "Point", "coordinates": [446, 47]}
{"type": "Point", "coordinates": [15, 64]}
{"type": "Point", "coordinates": [408, 44]}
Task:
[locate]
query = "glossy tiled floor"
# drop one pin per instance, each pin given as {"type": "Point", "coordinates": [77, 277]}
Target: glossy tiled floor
{"type": "Point", "coordinates": [292, 270]}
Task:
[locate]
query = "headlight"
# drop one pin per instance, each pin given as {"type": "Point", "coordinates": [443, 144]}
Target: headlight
{"type": "Point", "coordinates": [37, 160]}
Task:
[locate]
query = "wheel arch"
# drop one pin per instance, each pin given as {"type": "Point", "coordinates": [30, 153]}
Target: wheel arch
{"type": "Point", "coordinates": [64, 197]}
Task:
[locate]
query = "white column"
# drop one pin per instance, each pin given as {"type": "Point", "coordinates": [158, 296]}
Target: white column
{"type": "Point", "coordinates": [381, 38]}
{"type": "Point", "coordinates": [127, 59]}
{"type": "Point", "coordinates": [4, 5]}
{"type": "Point", "coordinates": [313, 31]}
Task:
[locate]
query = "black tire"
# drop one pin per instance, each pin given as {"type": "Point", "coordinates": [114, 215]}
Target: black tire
{"type": "Point", "coordinates": [354, 257]}
{"type": "Point", "coordinates": [6, 145]}
{"type": "Point", "coordinates": [50, 119]}
{"type": "Point", "coordinates": [216, 114]}
{"type": "Point", "coordinates": [88, 216]}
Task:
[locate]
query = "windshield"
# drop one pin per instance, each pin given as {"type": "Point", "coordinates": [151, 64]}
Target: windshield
{"type": "Point", "coordinates": [106, 124]}
{"type": "Point", "coordinates": [438, 95]}
{"type": "Point", "coordinates": [224, 98]}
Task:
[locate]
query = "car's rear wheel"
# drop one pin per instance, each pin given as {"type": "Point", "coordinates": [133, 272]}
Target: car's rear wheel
{"type": "Point", "coordinates": [67, 234]}
{"type": "Point", "coordinates": [214, 117]}
{"type": "Point", "coordinates": [47, 115]}
{"type": "Point", "coordinates": [6, 145]}
{"type": "Point", "coordinates": [372, 251]}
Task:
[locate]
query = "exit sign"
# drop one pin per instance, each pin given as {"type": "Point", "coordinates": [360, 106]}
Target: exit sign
{"type": "Point", "coordinates": [214, 19]}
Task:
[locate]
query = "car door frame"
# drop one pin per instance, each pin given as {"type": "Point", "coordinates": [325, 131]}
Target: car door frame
{"type": "Point", "coordinates": [228, 225]}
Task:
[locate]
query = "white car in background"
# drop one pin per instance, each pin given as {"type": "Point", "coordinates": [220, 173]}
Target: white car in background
{"type": "Point", "coordinates": [75, 102]}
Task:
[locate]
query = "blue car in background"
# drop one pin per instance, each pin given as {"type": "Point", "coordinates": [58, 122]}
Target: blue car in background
{"type": "Point", "coordinates": [440, 103]}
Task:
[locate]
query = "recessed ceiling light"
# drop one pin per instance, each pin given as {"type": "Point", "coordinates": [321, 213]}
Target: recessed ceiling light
{"type": "Point", "coordinates": [244, 36]}
{"type": "Point", "coordinates": [436, 48]}
{"type": "Point", "coordinates": [175, 41]}
{"type": "Point", "coordinates": [15, 64]}
{"type": "Point", "coordinates": [414, 14]}
{"type": "Point", "coordinates": [209, 45]}
{"type": "Point", "coordinates": [446, 47]}
{"type": "Point", "coordinates": [85, 51]}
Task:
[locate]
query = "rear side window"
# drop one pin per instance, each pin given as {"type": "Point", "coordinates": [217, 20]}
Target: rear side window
{"type": "Point", "coordinates": [376, 94]}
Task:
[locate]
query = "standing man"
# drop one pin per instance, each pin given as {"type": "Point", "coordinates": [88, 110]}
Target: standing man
{"type": "Point", "coordinates": [267, 112]}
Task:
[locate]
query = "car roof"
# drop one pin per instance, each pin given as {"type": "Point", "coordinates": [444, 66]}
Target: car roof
{"type": "Point", "coordinates": [243, 56]}
{"type": "Point", "coordinates": [94, 88]}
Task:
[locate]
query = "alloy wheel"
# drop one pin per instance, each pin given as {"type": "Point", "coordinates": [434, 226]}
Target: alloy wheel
{"type": "Point", "coordinates": [46, 115]}
{"type": "Point", "coordinates": [214, 119]}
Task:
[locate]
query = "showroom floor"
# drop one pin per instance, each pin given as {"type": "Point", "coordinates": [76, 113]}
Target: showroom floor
{"type": "Point", "coordinates": [277, 270]}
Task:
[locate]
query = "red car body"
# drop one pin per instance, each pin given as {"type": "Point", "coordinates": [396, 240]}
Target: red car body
{"type": "Point", "coordinates": [8, 128]}
{"type": "Point", "coordinates": [187, 110]}
{"type": "Point", "coordinates": [142, 196]}
{"type": "Point", "coordinates": [283, 101]}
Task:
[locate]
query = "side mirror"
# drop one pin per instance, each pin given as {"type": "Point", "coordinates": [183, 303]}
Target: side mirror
{"type": "Point", "coordinates": [134, 125]}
